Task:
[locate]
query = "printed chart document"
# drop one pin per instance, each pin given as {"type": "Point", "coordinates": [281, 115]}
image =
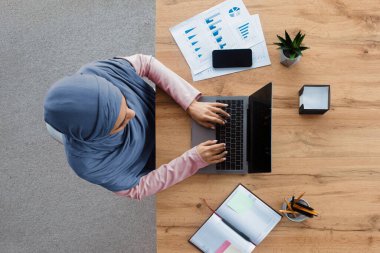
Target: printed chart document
{"type": "Point", "coordinates": [260, 56]}
{"type": "Point", "coordinates": [239, 225]}
{"type": "Point", "coordinates": [225, 26]}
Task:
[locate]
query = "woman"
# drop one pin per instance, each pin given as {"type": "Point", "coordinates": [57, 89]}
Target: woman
{"type": "Point", "coordinates": [105, 112]}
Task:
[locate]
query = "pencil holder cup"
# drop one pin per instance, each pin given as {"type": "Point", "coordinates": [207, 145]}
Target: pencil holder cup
{"type": "Point", "coordinates": [295, 217]}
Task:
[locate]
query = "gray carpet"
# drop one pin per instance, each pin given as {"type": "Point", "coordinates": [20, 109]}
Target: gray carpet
{"type": "Point", "coordinates": [44, 206]}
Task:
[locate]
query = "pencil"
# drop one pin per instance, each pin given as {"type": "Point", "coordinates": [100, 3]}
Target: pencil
{"type": "Point", "coordinates": [288, 204]}
{"type": "Point", "coordinates": [296, 206]}
{"type": "Point", "coordinates": [297, 199]}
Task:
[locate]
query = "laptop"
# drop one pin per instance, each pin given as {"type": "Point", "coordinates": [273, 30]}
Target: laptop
{"type": "Point", "coordinates": [247, 133]}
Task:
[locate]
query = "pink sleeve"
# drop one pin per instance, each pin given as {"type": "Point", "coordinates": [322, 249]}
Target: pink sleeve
{"type": "Point", "coordinates": [180, 90]}
{"type": "Point", "coordinates": [166, 175]}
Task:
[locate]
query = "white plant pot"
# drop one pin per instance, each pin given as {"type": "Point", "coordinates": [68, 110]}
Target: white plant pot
{"type": "Point", "coordinates": [286, 61]}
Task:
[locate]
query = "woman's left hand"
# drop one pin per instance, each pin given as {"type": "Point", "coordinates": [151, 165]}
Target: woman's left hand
{"type": "Point", "coordinates": [208, 114]}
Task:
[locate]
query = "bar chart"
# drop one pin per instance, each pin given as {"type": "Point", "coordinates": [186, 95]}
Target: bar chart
{"type": "Point", "coordinates": [214, 23]}
{"type": "Point", "coordinates": [191, 36]}
{"type": "Point", "coordinates": [244, 30]}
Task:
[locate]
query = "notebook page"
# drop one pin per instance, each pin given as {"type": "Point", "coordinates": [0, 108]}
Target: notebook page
{"type": "Point", "coordinates": [249, 214]}
{"type": "Point", "coordinates": [214, 234]}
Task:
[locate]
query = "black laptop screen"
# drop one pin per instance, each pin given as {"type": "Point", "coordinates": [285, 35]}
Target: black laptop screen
{"type": "Point", "coordinates": [260, 130]}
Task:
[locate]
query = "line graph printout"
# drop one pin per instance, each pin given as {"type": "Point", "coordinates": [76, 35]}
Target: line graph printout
{"type": "Point", "coordinates": [216, 28]}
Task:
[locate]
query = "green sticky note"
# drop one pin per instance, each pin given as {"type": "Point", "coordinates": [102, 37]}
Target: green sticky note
{"type": "Point", "coordinates": [240, 202]}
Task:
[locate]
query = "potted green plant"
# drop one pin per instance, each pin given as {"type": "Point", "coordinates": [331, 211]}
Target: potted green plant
{"type": "Point", "coordinates": [291, 50]}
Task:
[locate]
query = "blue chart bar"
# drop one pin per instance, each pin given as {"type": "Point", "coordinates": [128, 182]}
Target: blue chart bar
{"type": "Point", "coordinates": [192, 36]}
{"type": "Point", "coordinates": [193, 43]}
{"type": "Point", "coordinates": [189, 30]}
{"type": "Point", "coordinates": [211, 19]}
{"type": "Point", "coordinates": [216, 32]}
{"type": "Point", "coordinates": [244, 30]}
{"type": "Point", "coordinates": [212, 26]}
{"type": "Point", "coordinates": [219, 39]}
{"type": "Point", "coordinates": [221, 46]}
{"type": "Point", "coordinates": [197, 49]}
{"type": "Point", "coordinates": [243, 26]}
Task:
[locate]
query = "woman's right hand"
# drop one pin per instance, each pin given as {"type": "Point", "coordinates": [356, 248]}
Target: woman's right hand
{"type": "Point", "coordinates": [212, 152]}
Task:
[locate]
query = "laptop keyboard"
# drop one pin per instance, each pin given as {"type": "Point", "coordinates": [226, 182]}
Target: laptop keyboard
{"type": "Point", "coordinates": [232, 134]}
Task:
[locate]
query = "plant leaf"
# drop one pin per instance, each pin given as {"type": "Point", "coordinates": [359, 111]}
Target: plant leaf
{"type": "Point", "coordinates": [292, 56]}
{"type": "Point", "coordinates": [301, 39]}
{"type": "Point", "coordinates": [288, 39]}
{"type": "Point", "coordinates": [298, 51]}
{"type": "Point", "coordinates": [278, 44]}
{"type": "Point", "coordinates": [281, 39]}
{"type": "Point", "coordinates": [296, 39]}
{"type": "Point", "coordinates": [304, 48]}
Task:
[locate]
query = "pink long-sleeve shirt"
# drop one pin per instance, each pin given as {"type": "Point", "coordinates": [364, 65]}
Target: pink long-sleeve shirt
{"type": "Point", "coordinates": [184, 94]}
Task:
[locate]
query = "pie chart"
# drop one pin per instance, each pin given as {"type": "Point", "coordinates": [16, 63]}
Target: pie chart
{"type": "Point", "coordinates": [234, 11]}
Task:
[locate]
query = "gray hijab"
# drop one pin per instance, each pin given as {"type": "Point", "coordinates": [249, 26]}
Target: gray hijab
{"type": "Point", "coordinates": [85, 106]}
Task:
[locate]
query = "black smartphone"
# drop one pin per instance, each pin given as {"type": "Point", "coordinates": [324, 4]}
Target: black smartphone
{"type": "Point", "coordinates": [231, 58]}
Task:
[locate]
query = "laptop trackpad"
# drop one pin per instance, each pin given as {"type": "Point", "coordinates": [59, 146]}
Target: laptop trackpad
{"type": "Point", "coordinates": [200, 134]}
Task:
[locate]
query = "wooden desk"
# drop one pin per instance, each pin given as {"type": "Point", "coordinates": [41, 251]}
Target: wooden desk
{"type": "Point", "coordinates": [335, 158]}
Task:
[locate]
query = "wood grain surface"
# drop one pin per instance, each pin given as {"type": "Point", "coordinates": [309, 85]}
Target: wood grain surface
{"type": "Point", "coordinates": [334, 157]}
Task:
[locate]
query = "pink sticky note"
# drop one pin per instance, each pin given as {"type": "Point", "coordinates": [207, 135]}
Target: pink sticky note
{"type": "Point", "coordinates": [223, 247]}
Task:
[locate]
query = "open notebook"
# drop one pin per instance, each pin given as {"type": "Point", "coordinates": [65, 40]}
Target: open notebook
{"type": "Point", "coordinates": [241, 222]}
